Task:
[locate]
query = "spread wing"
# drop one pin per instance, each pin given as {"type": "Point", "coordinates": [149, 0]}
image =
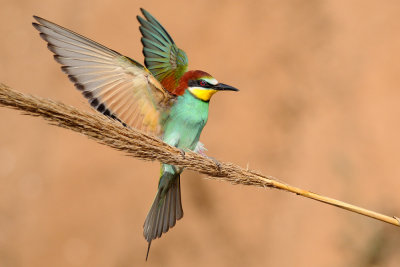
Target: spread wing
{"type": "Point", "coordinates": [115, 85]}
{"type": "Point", "coordinates": [163, 58]}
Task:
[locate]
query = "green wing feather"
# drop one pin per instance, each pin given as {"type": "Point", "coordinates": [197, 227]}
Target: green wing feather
{"type": "Point", "coordinates": [163, 58]}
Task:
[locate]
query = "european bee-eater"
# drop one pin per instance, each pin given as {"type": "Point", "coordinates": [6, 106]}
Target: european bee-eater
{"type": "Point", "coordinates": [161, 98]}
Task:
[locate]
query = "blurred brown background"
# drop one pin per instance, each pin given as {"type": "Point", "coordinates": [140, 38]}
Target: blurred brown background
{"type": "Point", "coordinates": [318, 108]}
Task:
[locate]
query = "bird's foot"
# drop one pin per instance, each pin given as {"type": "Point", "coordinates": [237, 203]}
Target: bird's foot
{"type": "Point", "coordinates": [216, 163]}
{"type": "Point", "coordinates": [183, 153]}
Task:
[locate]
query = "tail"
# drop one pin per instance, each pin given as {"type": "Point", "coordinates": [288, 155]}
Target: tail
{"type": "Point", "coordinates": [166, 208]}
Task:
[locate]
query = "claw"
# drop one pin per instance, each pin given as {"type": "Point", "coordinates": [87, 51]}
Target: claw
{"type": "Point", "coordinates": [216, 163]}
{"type": "Point", "coordinates": [182, 152]}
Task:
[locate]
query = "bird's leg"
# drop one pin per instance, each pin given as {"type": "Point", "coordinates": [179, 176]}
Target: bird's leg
{"type": "Point", "coordinates": [200, 149]}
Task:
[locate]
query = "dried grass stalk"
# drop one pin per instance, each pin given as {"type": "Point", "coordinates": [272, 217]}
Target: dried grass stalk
{"type": "Point", "coordinates": [140, 145]}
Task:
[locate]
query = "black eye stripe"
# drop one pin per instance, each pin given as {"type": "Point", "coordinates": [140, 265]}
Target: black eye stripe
{"type": "Point", "coordinates": [199, 83]}
{"type": "Point", "coordinates": [192, 83]}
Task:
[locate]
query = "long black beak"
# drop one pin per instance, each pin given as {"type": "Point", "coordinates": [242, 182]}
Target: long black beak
{"type": "Point", "coordinates": [224, 87]}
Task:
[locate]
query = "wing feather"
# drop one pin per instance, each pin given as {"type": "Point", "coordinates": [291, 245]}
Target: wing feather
{"type": "Point", "coordinates": [158, 47]}
{"type": "Point", "coordinates": [115, 85]}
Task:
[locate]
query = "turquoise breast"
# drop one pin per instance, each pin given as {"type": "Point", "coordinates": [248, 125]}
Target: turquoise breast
{"type": "Point", "coordinates": [185, 122]}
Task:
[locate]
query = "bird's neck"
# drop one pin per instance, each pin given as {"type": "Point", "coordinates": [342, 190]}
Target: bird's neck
{"type": "Point", "coordinates": [189, 105]}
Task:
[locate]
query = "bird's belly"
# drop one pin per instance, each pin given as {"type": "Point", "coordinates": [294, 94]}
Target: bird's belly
{"type": "Point", "coordinates": [189, 139]}
{"type": "Point", "coordinates": [184, 132]}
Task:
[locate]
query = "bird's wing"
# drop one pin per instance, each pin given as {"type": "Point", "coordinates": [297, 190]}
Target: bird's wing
{"type": "Point", "coordinates": [115, 85]}
{"type": "Point", "coordinates": [163, 58]}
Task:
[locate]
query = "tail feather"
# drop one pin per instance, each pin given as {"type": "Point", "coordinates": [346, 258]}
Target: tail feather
{"type": "Point", "coordinates": [178, 207]}
{"type": "Point", "coordinates": [166, 208]}
{"type": "Point", "coordinates": [171, 220]}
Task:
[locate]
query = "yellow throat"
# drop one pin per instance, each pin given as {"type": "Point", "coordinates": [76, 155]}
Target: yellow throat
{"type": "Point", "coordinates": [201, 93]}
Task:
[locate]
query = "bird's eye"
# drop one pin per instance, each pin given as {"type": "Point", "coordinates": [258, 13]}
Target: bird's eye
{"type": "Point", "coordinates": [202, 83]}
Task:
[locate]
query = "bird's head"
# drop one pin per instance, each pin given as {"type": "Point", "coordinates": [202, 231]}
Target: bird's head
{"type": "Point", "coordinates": [202, 85]}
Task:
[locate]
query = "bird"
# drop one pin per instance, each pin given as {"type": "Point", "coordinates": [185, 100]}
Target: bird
{"type": "Point", "coordinates": [161, 97]}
